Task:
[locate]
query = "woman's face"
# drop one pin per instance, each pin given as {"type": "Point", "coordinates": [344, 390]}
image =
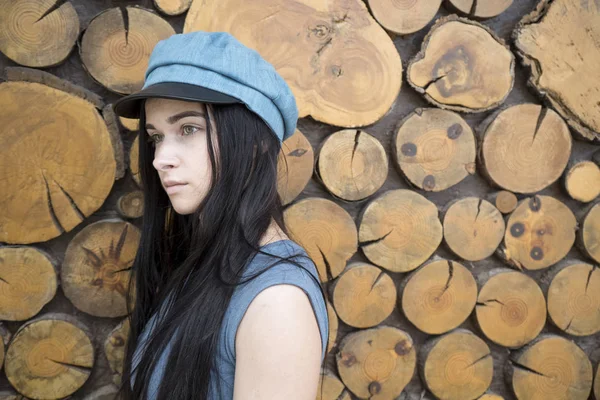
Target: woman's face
{"type": "Point", "coordinates": [177, 129]}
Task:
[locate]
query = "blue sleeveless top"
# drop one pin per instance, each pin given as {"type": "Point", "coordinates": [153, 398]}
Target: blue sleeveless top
{"type": "Point", "coordinates": [283, 273]}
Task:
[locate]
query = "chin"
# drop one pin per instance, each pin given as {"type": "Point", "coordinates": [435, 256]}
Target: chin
{"type": "Point", "coordinates": [183, 209]}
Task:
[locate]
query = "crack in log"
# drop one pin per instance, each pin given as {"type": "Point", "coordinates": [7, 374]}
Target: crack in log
{"type": "Point", "coordinates": [538, 124]}
{"type": "Point", "coordinates": [327, 265]}
{"type": "Point", "coordinates": [569, 324]}
{"type": "Point", "coordinates": [53, 8]}
{"type": "Point", "coordinates": [473, 9]}
{"type": "Point", "coordinates": [115, 253]}
{"type": "Point", "coordinates": [479, 359]}
{"type": "Point", "coordinates": [320, 49]}
{"type": "Point", "coordinates": [4, 280]}
{"type": "Point", "coordinates": [431, 82]}
{"type": "Point", "coordinates": [450, 275]}
{"type": "Point", "coordinates": [121, 270]}
{"type": "Point", "coordinates": [370, 242]}
{"type": "Point", "coordinates": [590, 277]}
{"type": "Point", "coordinates": [478, 209]}
{"type": "Point", "coordinates": [356, 137]}
{"type": "Point", "coordinates": [92, 257]}
{"type": "Point", "coordinates": [340, 20]}
{"type": "Point", "coordinates": [81, 368]}
{"type": "Point", "coordinates": [297, 153]}
{"type": "Point", "coordinates": [51, 208]}
{"type": "Point", "coordinates": [484, 303]}
{"type": "Point", "coordinates": [73, 204]}
{"type": "Point", "coordinates": [376, 280]}
{"type": "Point", "coordinates": [515, 364]}
{"type": "Point", "coordinates": [125, 16]}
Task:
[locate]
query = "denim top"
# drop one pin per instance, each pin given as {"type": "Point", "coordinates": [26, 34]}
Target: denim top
{"type": "Point", "coordinates": [283, 273]}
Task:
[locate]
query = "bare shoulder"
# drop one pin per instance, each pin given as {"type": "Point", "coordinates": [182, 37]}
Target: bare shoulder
{"type": "Point", "coordinates": [278, 347]}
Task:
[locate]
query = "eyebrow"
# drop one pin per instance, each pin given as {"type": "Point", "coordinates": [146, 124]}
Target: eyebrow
{"type": "Point", "coordinates": [174, 118]}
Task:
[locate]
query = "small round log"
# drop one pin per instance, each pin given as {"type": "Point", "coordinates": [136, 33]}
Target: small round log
{"type": "Point", "coordinates": [114, 347]}
{"type": "Point", "coordinates": [525, 148]}
{"type": "Point", "coordinates": [364, 295]}
{"type": "Point", "coordinates": [439, 296]}
{"type": "Point", "coordinates": [57, 157]}
{"type": "Point", "coordinates": [558, 42]}
{"type": "Point", "coordinates": [479, 9]}
{"type": "Point", "coordinates": [503, 200]}
{"type": "Point", "coordinates": [456, 366]}
{"type": "Point", "coordinates": [131, 124]}
{"type": "Point", "coordinates": [376, 363]}
{"type": "Point", "coordinates": [473, 228]}
{"type": "Point", "coordinates": [340, 63]}
{"type": "Point", "coordinates": [294, 166]}
{"type": "Point", "coordinates": [511, 308]}
{"type": "Point", "coordinates": [582, 181]}
{"type": "Point", "coordinates": [172, 7]}
{"type": "Point", "coordinates": [331, 388]}
{"type": "Point", "coordinates": [574, 299]}
{"type": "Point", "coordinates": [116, 46]}
{"type": "Point", "coordinates": [131, 205]}
{"type": "Point", "coordinates": [352, 164]}
{"type": "Point", "coordinates": [134, 159]}
{"type": "Point", "coordinates": [589, 234]}
{"type": "Point", "coordinates": [333, 327]}
{"type": "Point", "coordinates": [28, 279]}
{"type": "Point", "coordinates": [551, 367]}
{"type": "Point", "coordinates": [539, 233]}
{"type": "Point", "coordinates": [49, 357]}
{"type": "Point", "coordinates": [462, 66]}
{"type": "Point", "coordinates": [404, 17]}
{"type": "Point", "coordinates": [97, 267]}
{"type": "Point", "coordinates": [399, 230]}
{"type": "Point", "coordinates": [38, 33]}
{"type": "Point", "coordinates": [326, 231]}
{"type": "Point", "coordinates": [434, 149]}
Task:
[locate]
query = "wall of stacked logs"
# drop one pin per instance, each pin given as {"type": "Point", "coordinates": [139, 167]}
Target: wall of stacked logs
{"type": "Point", "coordinates": [444, 177]}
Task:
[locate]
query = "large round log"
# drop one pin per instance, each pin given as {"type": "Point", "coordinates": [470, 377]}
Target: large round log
{"type": "Point", "coordinates": [364, 295]}
{"type": "Point", "coordinates": [574, 299]}
{"type": "Point", "coordinates": [511, 308]}
{"type": "Point", "coordinates": [114, 347]}
{"type": "Point", "coordinates": [456, 366]}
{"type": "Point", "coordinates": [342, 67]}
{"type": "Point", "coordinates": [116, 46]}
{"type": "Point", "coordinates": [38, 33]}
{"type": "Point", "coordinates": [480, 9]}
{"type": "Point", "coordinates": [326, 231]}
{"type": "Point", "coordinates": [294, 166]}
{"type": "Point", "coordinates": [49, 357]}
{"type": "Point", "coordinates": [376, 363]}
{"type": "Point", "coordinates": [404, 17]}
{"type": "Point", "coordinates": [551, 367]}
{"type": "Point", "coordinates": [399, 230]}
{"type": "Point", "coordinates": [558, 41]}
{"type": "Point", "coordinates": [57, 157]}
{"type": "Point", "coordinates": [352, 164]}
{"type": "Point", "coordinates": [434, 149]}
{"type": "Point", "coordinates": [439, 296]}
{"type": "Point", "coordinates": [97, 267]}
{"type": "Point", "coordinates": [539, 233]}
{"type": "Point", "coordinates": [525, 148]}
{"type": "Point", "coordinates": [589, 234]}
{"type": "Point", "coordinates": [462, 66]}
{"type": "Point", "coordinates": [473, 228]}
{"type": "Point", "coordinates": [28, 281]}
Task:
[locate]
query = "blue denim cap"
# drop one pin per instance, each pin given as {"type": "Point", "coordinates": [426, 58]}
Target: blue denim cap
{"type": "Point", "coordinates": [214, 67]}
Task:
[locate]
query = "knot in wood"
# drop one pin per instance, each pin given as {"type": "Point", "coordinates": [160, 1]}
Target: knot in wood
{"type": "Point", "coordinates": [321, 31]}
{"type": "Point", "coordinates": [535, 204]}
{"type": "Point", "coordinates": [429, 182]}
{"type": "Point", "coordinates": [454, 131]}
{"type": "Point", "coordinates": [409, 149]}
{"type": "Point", "coordinates": [348, 359]}
{"type": "Point", "coordinates": [517, 229]}
{"type": "Point", "coordinates": [402, 348]}
{"type": "Point", "coordinates": [374, 387]}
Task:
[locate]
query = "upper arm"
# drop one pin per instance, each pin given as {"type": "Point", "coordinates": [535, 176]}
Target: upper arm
{"type": "Point", "coordinates": [278, 347]}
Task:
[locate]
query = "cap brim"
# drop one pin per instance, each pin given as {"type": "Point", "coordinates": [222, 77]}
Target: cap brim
{"type": "Point", "coordinates": [129, 106]}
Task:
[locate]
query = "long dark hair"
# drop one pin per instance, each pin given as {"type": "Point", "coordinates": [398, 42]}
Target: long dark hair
{"type": "Point", "coordinates": [199, 258]}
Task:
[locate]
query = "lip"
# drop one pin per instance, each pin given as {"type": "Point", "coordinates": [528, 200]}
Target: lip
{"type": "Point", "coordinates": [174, 187]}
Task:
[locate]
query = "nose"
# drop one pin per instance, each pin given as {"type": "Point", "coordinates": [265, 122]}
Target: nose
{"type": "Point", "coordinates": [165, 158]}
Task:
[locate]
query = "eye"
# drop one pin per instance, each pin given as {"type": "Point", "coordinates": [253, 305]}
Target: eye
{"type": "Point", "coordinates": [153, 139]}
{"type": "Point", "coordinates": [189, 130]}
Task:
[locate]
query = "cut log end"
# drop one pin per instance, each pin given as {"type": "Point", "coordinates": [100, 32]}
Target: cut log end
{"type": "Point", "coordinates": [480, 9]}
{"type": "Point", "coordinates": [504, 201]}
{"type": "Point", "coordinates": [439, 296]}
{"type": "Point", "coordinates": [326, 231]}
{"type": "Point", "coordinates": [131, 205]}
{"type": "Point", "coordinates": [376, 363]}
{"type": "Point", "coordinates": [434, 149]}
{"type": "Point", "coordinates": [582, 181]}
{"type": "Point", "coordinates": [474, 73]}
{"type": "Point", "coordinates": [589, 239]}
{"type": "Point", "coordinates": [114, 347]}
{"type": "Point", "coordinates": [331, 388]}
{"type": "Point", "coordinates": [574, 299]}
{"type": "Point", "coordinates": [404, 17]}
{"type": "Point", "coordinates": [352, 164]}
{"type": "Point", "coordinates": [400, 230]}
{"type": "Point", "coordinates": [294, 166]}
{"type": "Point", "coordinates": [172, 7]}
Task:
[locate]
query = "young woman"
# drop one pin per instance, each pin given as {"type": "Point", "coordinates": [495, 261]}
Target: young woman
{"type": "Point", "coordinates": [224, 305]}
